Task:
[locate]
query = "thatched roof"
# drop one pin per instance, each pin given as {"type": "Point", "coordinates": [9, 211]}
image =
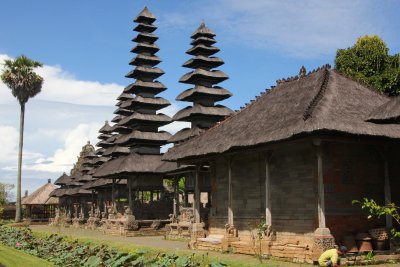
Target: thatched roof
{"type": "Point", "coordinates": [203, 40]}
{"type": "Point", "coordinates": [386, 113]}
{"type": "Point", "coordinates": [145, 16]}
{"type": "Point", "coordinates": [200, 61]}
{"type": "Point", "coordinates": [212, 76]}
{"type": "Point", "coordinates": [144, 27]}
{"type": "Point", "coordinates": [141, 86]}
{"type": "Point", "coordinates": [133, 164]}
{"type": "Point", "coordinates": [203, 50]}
{"type": "Point", "coordinates": [116, 150]}
{"type": "Point", "coordinates": [200, 92]}
{"type": "Point", "coordinates": [156, 137]}
{"type": "Point", "coordinates": [322, 102]}
{"type": "Point", "coordinates": [140, 101]}
{"type": "Point", "coordinates": [63, 179]}
{"type": "Point", "coordinates": [41, 196]}
{"type": "Point", "coordinates": [158, 119]}
{"type": "Point", "coordinates": [145, 48]}
{"type": "Point", "coordinates": [185, 134]}
{"type": "Point", "coordinates": [106, 129]}
{"type": "Point", "coordinates": [196, 110]}
{"type": "Point", "coordinates": [124, 96]}
{"type": "Point", "coordinates": [203, 30]}
{"type": "Point", "coordinates": [145, 37]}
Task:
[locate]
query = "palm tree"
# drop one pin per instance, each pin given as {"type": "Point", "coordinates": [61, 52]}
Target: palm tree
{"type": "Point", "coordinates": [24, 83]}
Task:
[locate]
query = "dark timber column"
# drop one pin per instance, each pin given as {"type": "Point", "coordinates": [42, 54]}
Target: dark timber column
{"type": "Point", "coordinates": [113, 194]}
{"type": "Point", "coordinates": [176, 196]}
{"type": "Point", "coordinates": [230, 193]}
{"type": "Point", "coordinates": [196, 198]}
{"type": "Point", "coordinates": [268, 218]}
{"type": "Point", "coordinates": [130, 194]}
{"type": "Point", "coordinates": [323, 239]}
{"type": "Point", "coordinates": [388, 195]}
{"type": "Point", "coordinates": [321, 193]}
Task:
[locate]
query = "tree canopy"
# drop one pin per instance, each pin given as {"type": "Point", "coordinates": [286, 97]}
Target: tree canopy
{"type": "Point", "coordinates": [369, 62]}
{"type": "Point", "coordinates": [19, 76]}
{"type": "Point", "coordinates": [5, 193]}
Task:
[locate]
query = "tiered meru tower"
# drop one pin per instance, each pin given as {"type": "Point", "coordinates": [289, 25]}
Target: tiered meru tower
{"type": "Point", "coordinates": [204, 113]}
{"type": "Point", "coordinates": [143, 120]}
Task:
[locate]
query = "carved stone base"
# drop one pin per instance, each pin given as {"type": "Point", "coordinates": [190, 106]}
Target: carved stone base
{"type": "Point", "coordinates": [323, 240]}
{"type": "Point", "coordinates": [196, 231]}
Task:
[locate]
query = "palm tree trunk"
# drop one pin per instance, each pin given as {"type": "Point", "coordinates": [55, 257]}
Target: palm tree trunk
{"type": "Point", "coordinates": [18, 212]}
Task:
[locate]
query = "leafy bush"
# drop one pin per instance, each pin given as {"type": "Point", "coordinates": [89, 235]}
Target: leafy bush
{"type": "Point", "coordinates": [69, 254]}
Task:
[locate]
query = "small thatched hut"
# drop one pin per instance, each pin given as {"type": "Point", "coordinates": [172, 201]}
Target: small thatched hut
{"type": "Point", "coordinates": [293, 160]}
{"type": "Point", "coordinates": [39, 205]}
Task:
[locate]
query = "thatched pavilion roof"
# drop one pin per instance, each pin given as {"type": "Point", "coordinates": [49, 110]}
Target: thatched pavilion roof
{"type": "Point", "coordinates": [63, 179]}
{"type": "Point", "coordinates": [324, 101]}
{"type": "Point", "coordinates": [41, 196]}
{"type": "Point", "coordinates": [133, 164]}
{"type": "Point", "coordinates": [388, 112]}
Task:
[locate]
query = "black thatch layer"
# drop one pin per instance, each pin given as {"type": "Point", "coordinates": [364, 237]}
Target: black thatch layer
{"type": "Point", "coordinates": [203, 31]}
{"type": "Point", "coordinates": [145, 37]}
{"type": "Point", "coordinates": [389, 112]}
{"type": "Point", "coordinates": [155, 119]}
{"type": "Point", "coordinates": [124, 96]}
{"type": "Point", "coordinates": [156, 137]}
{"type": "Point", "coordinates": [203, 40]}
{"type": "Point", "coordinates": [200, 75]}
{"type": "Point", "coordinates": [145, 48]}
{"type": "Point", "coordinates": [104, 136]}
{"type": "Point", "coordinates": [117, 119]}
{"type": "Point", "coordinates": [145, 16]}
{"type": "Point", "coordinates": [144, 87]}
{"type": "Point", "coordinates": [215, 93]}
{"type": "Point", "coordinates": [150, 60]}
{"type": "Point", "coordinates": [143, 27]}
{"type": "Point", "coordinates": [116, 151]}
{"type": "Point", "coordinates": [150, 102]}
{"type": "Point", "coordinates": [196, 110]}
{"type": "Point", "coordinates": [203, 50]}
{"type": "Point", "coordinates": [106, 129]}
{"type": "Point", "coordinates": [134, 164]}
{"type": "Point", "coordinates": [145, 72]}
{"type": "Point", "coordinates": [279, 114]}
{"type": "Point", "coordinates": [63, 179]}
{"type": "Point", "coordinates": [203, 62]}
{"type": "Point", "coordinates": [185, 134]}
{"type": "Point", "coordinates": [123, 111]}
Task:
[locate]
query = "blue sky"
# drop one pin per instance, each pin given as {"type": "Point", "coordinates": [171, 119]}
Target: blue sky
{"type": "Point", "coordinates": [85, 45]}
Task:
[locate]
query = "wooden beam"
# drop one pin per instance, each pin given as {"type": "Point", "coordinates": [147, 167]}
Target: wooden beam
{"type": "Point", "coordinates": [321, 193]}
{"type": "Point", "coordinates": [268, 217]}
{"type": "Point", "coordinates": [113, 193]}
{"type": "Point", "coordinates": [230, 193]}
{"type": "Point", "coordinates": [176, 196]}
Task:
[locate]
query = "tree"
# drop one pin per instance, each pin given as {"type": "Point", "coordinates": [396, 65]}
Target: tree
{"type": "Point", "coordinates": [368, 61]}
{"type": "Point", "coordinates": [5, 193]}
{"type": "Point", "coordinates": [24, 83]}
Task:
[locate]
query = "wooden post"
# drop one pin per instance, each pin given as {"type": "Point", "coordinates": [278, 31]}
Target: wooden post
{"type": "Point", "coordinates": [230, 193]}
{"type": "Point", "coordinates": [268, 218]}
{"type": "Point", "coordinates": [176, 196]}
{"type": "Point", "coordinates": [130, 195]}
{"type": "Point", "coordinates": [196, 198]}
{"type": "Point", "coordinates": [113, 193]}
{"type": "Point", "coordinates": [388, 195]}
{"type": "Point", "coordinates": [321, 193]}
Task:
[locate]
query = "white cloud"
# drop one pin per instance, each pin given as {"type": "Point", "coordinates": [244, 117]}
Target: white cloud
{"type": "Point", "coordinates": [9, 146]}
{"type": "Point", "coordinates": [309, 28]}
{"type": "Point", "coordinates": [65, 157]}
{"type": "Point", "coordinates": [61, 86]}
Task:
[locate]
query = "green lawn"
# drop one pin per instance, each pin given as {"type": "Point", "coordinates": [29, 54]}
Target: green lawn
{"type": "Point", "coordinates": [10, 257]}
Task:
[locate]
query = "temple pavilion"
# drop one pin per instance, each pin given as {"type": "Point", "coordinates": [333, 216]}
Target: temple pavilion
{"type": "Point", "coordinates": [292, 161]}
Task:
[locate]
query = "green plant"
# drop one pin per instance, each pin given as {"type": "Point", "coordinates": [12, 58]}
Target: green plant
{"type": "Point", "coordinates": [369, 256]}
{"type": "Point", "coordinates": [374, 209]}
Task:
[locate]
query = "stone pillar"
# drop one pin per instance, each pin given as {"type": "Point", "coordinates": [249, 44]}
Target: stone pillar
{"type": "Point", "coordinates": [388, 195]}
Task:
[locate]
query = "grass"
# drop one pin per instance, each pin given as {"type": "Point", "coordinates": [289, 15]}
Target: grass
{"type": "Point", "coordinates": [10, 257]}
